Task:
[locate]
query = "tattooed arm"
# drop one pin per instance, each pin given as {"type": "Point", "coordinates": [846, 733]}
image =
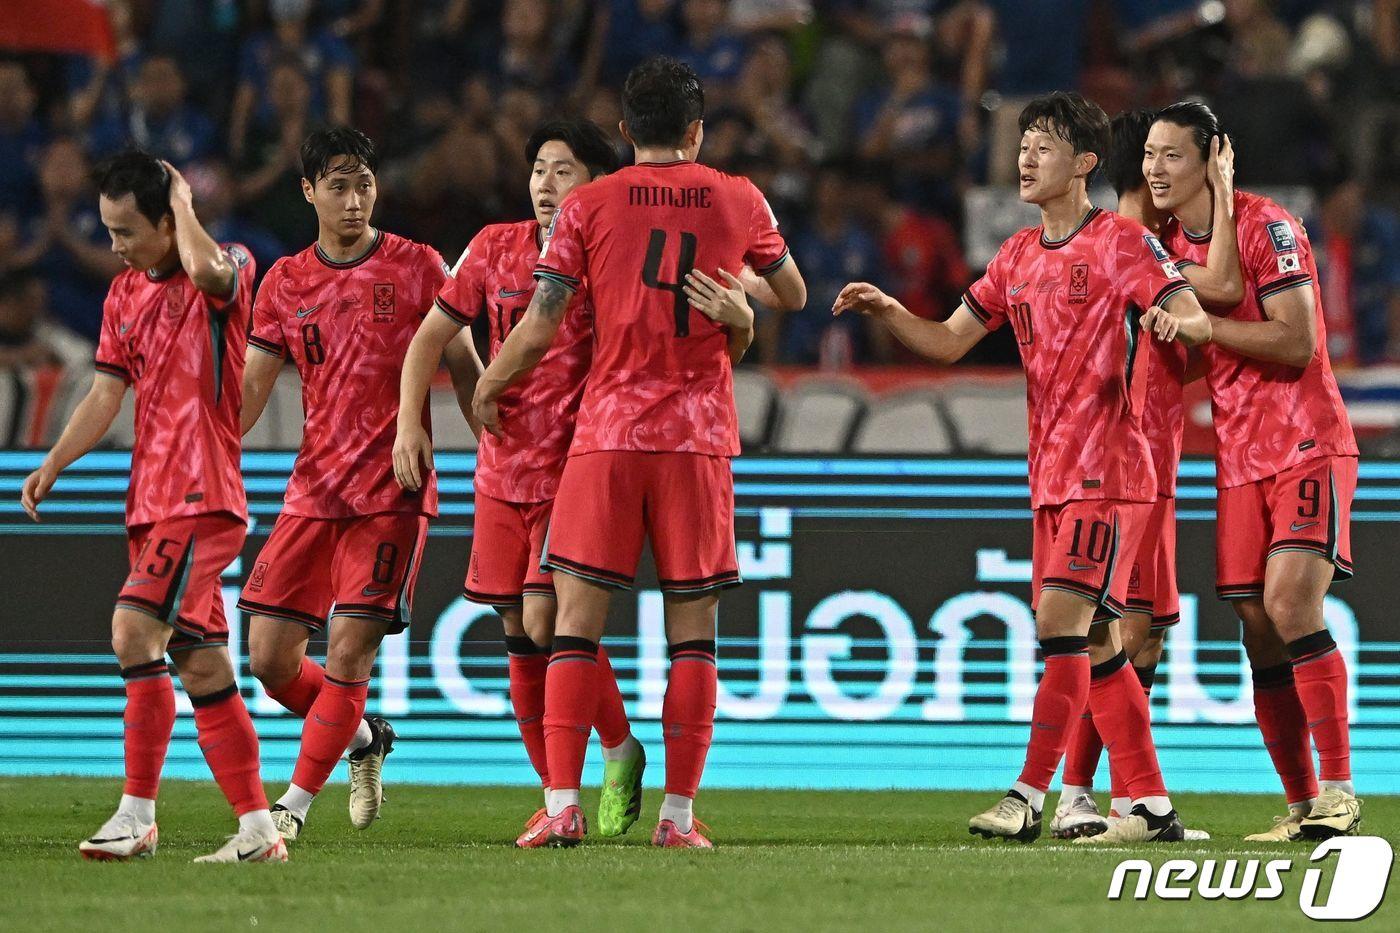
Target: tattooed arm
{"type": "Point", "coordinates": [523, 349]}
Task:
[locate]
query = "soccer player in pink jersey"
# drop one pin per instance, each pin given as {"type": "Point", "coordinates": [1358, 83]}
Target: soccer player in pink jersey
{"type": "Point", "coordinates": [1074, 289]}
{"type": "Point", "coordinates": [656, 426]}
{"type": "Point", "coordinates": [1153, 601]}
{"type": "Point", "coordinates": [173, 327]}
{"type": "Point", "coordinates": [346, 548]}
{"type": "Point", "coordinates": [517, 472]}
{"type": "Point", "coordinates": [1286, 467]}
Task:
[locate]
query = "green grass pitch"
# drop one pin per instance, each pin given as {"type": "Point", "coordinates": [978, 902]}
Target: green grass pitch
{"type": "Point", "coordinates": [440, 859]}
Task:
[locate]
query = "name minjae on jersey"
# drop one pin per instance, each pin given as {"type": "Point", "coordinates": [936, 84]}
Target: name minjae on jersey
{"type": "Point", "coordinates": [663, 196]}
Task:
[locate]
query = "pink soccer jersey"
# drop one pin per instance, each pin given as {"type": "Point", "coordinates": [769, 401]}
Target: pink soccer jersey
{"type": "Point", "coordinates": [182, 352]}
{"type": "Point", "coordinates": [661, 378]}
{"type": "Point", "coordinates": [1269, 416]}
{"type": "Point", "coordinates": [1074, 306]}
{"type": "Point", "coordinates": [1164, 410]}
{"type": "Point", "coordinates": [347, 326]}
{"type": "Point", "coordinates": [495, 277]}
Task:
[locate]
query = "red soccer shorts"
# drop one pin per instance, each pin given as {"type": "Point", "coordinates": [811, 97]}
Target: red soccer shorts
{"type": "Point", "coordinates": [1152, 583]}
{"type": "Point", "coordinates": [609, 500]}
{"type": "Point", "coordinates": [507, 547]}
{"type": "Point", "coordinates": [311, 568]}
{"type": "Point", "coordinates": [175, 568]}
{"type": "Point", "coordinates": [1086, 547]}
{"type": "Point", "coordinates": [1304, 508]}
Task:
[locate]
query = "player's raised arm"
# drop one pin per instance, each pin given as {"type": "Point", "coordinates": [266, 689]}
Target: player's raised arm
{"type": "Point", "coordinates": [942, 342]}
{"type": "Point", "coordinates": [1220, 281]}
{"type": "Point", "coordinates": [90, 421]}
{"type": "Point", "coordinates": [208, 266]}
{"type": "Point", "coordinates": [523, 349]}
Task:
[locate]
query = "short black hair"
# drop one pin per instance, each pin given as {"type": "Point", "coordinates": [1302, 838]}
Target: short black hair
{"type": "Point", "coordinates": [1196, 117]}
{"type": "Point", "coordinates": [1078, 121]}
{"type": "Point", "coordinates": [585, 139]}
{"type": "Point", "coordinates": [324, 145]}
{"type": "Point", "coordinates": [1127, 139]}
{"type": "Point", "coordinates": [139, 174]}
{"type": "Point", "coordinates": [662, 96]}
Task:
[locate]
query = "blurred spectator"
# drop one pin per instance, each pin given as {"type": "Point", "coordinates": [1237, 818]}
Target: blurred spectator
{"type": "Point", "coordinates": [21, 139]}
{"type": "Point", "coordinates": [834, 250]}
{"type": "Point", "coordinates": [202, 35]}
{"type": "Point", "coordinates": [765, 94]}
{"type": "Point", "coordinates": [1357, 246]}
{"type": "Point", "coordinates": [711, 47]}
{"type": "Point", "coordinates": [911, 123]}
{"type": "Point", "coordinates": [66, 243]}
{"type": "Point", "coordinates": [528, 55]}
{"type": "Point", "coordinates": [326, 62]}
{"type": "Point", "coordinates": [635, 30]}
{"type": "Point", "coordinates": [28, 339]}
{"type": "Point", "coordinates": [269, 190]}
{"type": "Point", "coordinates": [215, 193]}
{"type": "Point", "coordinates": [920, 254]}
{"type": "Point", "coordinates": [158, 119]}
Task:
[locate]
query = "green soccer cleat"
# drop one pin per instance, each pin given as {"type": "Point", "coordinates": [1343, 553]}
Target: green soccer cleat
{"type": "Point", "coordinates": [621, 802]}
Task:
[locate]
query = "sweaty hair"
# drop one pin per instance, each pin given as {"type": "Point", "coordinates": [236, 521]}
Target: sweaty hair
{"type": "Point", "coordinates": [585, 139]}
{"type": "Point", "coordinates": [1196, 117]}
{"type": "Point", "coordinates": [1127, 139]}
{"type": "Point", "coordinates": [660, 99]}
{"type": "Point", "coordinates": [322, 146]}
{"type": "Point", "coordinates": [1079, 122]}
{"type": "Point", "coordinates": [139, 174]}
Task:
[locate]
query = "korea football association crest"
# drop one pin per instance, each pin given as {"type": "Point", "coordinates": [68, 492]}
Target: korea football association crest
{"type": "Point", "coordinates": [383, 302]}
{"type": "Point", "coordinates": [1079, 283]}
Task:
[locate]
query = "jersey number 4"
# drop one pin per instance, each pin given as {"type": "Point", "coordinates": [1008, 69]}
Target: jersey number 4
{"type": "Point", "coordinates": [651, 275]}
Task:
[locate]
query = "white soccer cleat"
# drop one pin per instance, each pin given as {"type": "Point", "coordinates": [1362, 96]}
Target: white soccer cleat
{"type": "Point", "coordinates": [1140, 825]}
{"type": "Point", "coordinates": [1011, 818]}
{"type": "Point", "coordinates": [1285, 829]}
{"type": "Point", "coordinates": [288, 826]}
{"type": "Point", "coordinates": [249, 845]}
{"type": "Point", "coordinates": [122, 837]}
{"type": "Point", "coordinates": [366, 774]}
{"type": "Point", "coordinates": [1334, 813]}
{"type": "Point", "coordinates": [1079, 817]}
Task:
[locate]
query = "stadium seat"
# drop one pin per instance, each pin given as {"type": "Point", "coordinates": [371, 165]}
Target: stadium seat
{"type": "Point", "coordinates": [905, 423]}
{"type": "Point", "coordinates": [450, 431]}
{"type": "Point", "coordinates": [756, 397]}
{"type": "Point", "coordinates": [819, 416]}
{"type": "Point", "coordinates": [987, 419]}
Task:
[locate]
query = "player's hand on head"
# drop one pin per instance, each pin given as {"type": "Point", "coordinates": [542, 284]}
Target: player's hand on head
{"type": "Point", "coordinates": [720, 303]}
{"type": "Point", "coordinates": [413, 457]}
{"type": "Point", "coordinates": [1220, 166]}
{"type": "Point", "coordinates": [863, 298]}
{"type": "Point", "coordinates": [180, 193]}
{"type": "Point", "coordinates": [36, 487]}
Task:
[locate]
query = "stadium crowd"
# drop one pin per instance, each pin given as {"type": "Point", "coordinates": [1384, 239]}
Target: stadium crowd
{"type": "Point", "coordinates": [866, 123]}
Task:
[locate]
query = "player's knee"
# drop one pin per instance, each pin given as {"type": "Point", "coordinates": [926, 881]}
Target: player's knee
{"type": "Point", "coordinates": [352, 658]}
{"type": "Point", "coordinates": [1292, 613]}
{"type": "Point", "coordinates": [273, 669]}
{"type": "Point", "coordinates": [134, 643]}
{"type": "Point", "coordinates": [1149, 652]}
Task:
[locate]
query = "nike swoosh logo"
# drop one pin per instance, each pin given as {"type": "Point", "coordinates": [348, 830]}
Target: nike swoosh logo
{"type": "Point", "coordinates": [505, 293]}
{"type": "Point", "coordinates": [303, 312]}
{"type": "Point", "coordinates": [124, 328]}
{"type": "Point", "coordinates": [371, 591]}
{"type": "Point", "coordinates": [1299, 526]}
{"type": "Point", "coordinates": [1016, 290]}
{"type": "Point", "coordinates": [317, 717]}
{"type": "Point", "coordinates": [244, 856]}
{"type": "Point", "coordinates": [1076, 566]}
{"type": "Point", "coordinates": [1314, 725]}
